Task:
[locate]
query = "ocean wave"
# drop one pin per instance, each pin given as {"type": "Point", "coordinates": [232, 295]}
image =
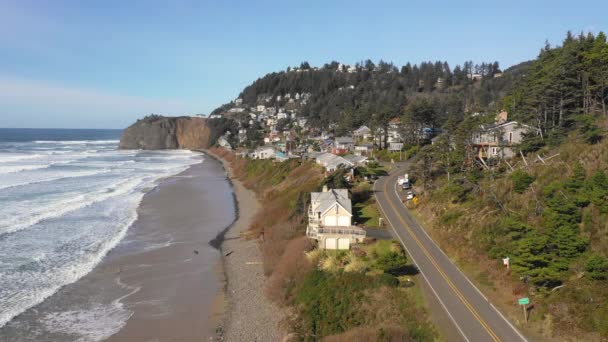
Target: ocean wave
{"type": "Point", "coordinates": [18, 218]}
{"type": "Point", "coordinates": [95, 322]}
{"type": "Point", "coordinates": [14, 157]}
{"type": "Point", "coordinates": [16, 182]}
{"type": "Point", "coordinates": [76, 142]}
{"type": "Point", "coordinates": [71, 223]}
{"type": "Point", "coordinates": [24, 289]}
{"type": "Point", "coordinates": [19, 168]}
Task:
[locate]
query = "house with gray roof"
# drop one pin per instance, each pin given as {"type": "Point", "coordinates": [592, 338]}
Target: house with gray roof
{"type": "Point", "coordinates": [330, 220]}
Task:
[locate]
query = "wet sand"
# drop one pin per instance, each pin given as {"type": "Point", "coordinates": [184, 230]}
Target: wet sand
{"type": "Point", "coordinates": [178, 284]}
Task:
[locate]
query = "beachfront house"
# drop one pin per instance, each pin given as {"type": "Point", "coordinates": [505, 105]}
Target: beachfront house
{"type": "Point", "coordinates": [330, 220]}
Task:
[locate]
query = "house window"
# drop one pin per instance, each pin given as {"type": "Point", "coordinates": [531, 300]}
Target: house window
{"type": "Point", "coordinates": [494, 151]}
{"type": "Point", "coordinates": [510, 136]}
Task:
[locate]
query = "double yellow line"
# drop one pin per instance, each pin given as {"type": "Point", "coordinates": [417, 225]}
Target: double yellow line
{"type": "Point", "coordinates": [432, 260]}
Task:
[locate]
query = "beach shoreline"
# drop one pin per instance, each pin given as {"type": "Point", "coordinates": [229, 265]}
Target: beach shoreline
{"type": "Point", "coordinates": [248, 314]}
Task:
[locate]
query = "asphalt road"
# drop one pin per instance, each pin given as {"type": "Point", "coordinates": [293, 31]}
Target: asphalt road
{"type": "Point", "coordinates": [473, 317]}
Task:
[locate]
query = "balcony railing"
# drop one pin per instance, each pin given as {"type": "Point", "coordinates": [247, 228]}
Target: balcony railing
{"type": "Point", "coordinates": [341, 231]}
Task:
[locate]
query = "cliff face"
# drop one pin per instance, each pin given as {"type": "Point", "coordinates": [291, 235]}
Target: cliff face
{"type": "Point", "coordinates": [158, 133]}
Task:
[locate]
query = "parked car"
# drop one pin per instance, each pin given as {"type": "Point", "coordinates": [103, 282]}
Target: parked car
{"type": "Point", "coordinates": [410, 195]}
{"type": "Point", "coordinates": [406, 186]}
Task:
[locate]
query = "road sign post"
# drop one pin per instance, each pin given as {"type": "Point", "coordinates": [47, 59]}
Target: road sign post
{"type": "Point", "coordinates": [524, 302]}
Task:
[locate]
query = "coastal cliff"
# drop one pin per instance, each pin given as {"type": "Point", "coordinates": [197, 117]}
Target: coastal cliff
{"type": "Point", "coordinates": [156, 132]}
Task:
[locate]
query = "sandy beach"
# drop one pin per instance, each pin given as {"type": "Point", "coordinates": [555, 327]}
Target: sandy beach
{"type": "Point", "coordinates": [249, 315]}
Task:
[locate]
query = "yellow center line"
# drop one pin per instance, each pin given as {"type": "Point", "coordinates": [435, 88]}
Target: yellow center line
{"type": "Point", "coordinates": [432, 260]}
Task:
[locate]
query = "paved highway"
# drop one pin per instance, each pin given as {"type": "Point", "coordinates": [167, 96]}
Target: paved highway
{"type": "Point", "coordinates": [473, 316]}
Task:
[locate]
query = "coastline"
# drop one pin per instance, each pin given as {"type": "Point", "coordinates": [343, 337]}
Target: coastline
{"type": "Point", "coordinates": [248, 314]}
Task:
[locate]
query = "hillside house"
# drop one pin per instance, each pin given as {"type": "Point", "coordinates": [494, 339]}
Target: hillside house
{"type": "Point", "coordinates": [344, 143]}
{"type": "Point", "coordinates": [332, 162]}
{"type": "Point", "coordinates": [356, 160]}
{"type": "Point", "coordinates": [330, 220]}
{"type": "Point", "coordinates": [362, 133]}
{"type": "Point", "coordinates": [499, 140]}
{"type": "Point", "coordinates": [264, 152]}
{"type": "Point", "coordinates": [364, 149]}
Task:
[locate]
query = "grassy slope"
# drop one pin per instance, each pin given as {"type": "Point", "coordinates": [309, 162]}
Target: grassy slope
{"type": "Point", "coordinates": [378, 309]}
{"type": "Point", "coordinates": [579, 310]}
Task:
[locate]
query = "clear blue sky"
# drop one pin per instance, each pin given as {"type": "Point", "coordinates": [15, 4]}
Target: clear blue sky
{"type": "Point", "coordinates": [102, 64]}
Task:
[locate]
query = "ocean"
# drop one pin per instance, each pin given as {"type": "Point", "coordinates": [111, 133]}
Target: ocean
{"type": "Point", "coordinates": [67, 197]}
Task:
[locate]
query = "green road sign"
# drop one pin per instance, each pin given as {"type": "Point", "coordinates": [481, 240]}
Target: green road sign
{"type": "Point", "coordinates": [524, 301]}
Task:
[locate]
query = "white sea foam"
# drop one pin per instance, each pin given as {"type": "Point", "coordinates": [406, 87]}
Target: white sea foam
{"type": "Point", "coordinates": [63, 219]}
{"type": "Point", "coordinates": [13, 157]}
{"type": "Point", "coordinates": [18, 216]}
{"type": "Point", "coordinates": [11, 180]}
{"type": "Point", "coordinates": [77, 142]}
{"type": "Point", "coordinates": [31, 283]}
{"type": "Point", "coordinates": [96, 322]}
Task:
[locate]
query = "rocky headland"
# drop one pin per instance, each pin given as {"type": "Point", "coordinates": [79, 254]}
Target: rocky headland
{"type": "Point", "coordinates": [156, 132]}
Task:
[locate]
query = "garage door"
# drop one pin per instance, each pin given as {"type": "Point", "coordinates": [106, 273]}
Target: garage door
{"type": "Point", "coordinates": [343, 243]}
{"type": "Point", "coordinates": [331, 243]}
{"type": "Point", "coordinates": [344, 221]}
{"type": "Point", "coordinates": [331, 221]}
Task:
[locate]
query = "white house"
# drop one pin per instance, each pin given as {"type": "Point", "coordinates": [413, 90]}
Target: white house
{"type": "Point", "coordinates": [263, 152]}
{"type": "Point", "coordinates": [362, 132]}
{"type": "Point", "coordinates": [330, 220]}
{"type": "Point", "coordinates": [260, 108]}
{"type": "Point", "coordinates": [332, 162]}
{"type": "Point", "coordinates": [364, 149]}
{"type": "Point", "coordinates": [238, 101]}
{"type": "Point", "coordinates": [356, 160]}
{"type": "Point", "coordinates": [344, 143]}
{"type": "Point", "coordinates": [282, 115]}
{"type": "Point", "coordinates": [223, 142]}
{"type": "Point", "coordinates": [395, 146]}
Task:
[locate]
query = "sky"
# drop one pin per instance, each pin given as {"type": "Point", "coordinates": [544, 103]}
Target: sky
{"type": "Point", "coordinates": [103, 64]}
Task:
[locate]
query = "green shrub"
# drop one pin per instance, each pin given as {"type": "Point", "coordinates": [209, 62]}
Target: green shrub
{"type": "Point", "coordinates": [390, 260]}
{"type": "Point", "coordinates": [386, 279]}
{"type": "Point", "coordinates": [597, 267]}
{"type": "Point", "coordinates": [521, 181]}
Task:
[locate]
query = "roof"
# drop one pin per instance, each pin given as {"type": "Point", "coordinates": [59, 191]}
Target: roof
{"type": "Point", "coordinates": [331, 160]}
{"type": "Point", "coordinates": [323, 201]}
{"type": "Point", "coordinates": [362, 129]}
{"type": "Point", "coordinates": [491, 127]}
{"type": "Point", "coordinates": [344, 140]}
{"type": "Point", "coordinates": [355, 159]}
{"type": "Point", "coordinates": [264, 148]}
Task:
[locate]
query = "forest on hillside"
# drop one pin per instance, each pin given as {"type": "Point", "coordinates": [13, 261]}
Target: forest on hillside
{"type": "Point", "coordinates": [550, 217]}
{"type": "Point", "coordinates": [372, 93]}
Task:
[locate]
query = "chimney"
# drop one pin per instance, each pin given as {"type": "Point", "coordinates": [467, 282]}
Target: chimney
{"type": "Point", "coordinates": [325, 188]}
{"type": "Point", "coordinates": [501, 117]}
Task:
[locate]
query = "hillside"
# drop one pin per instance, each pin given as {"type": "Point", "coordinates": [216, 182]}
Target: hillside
{"type": "Point", "coordinates": [546, 209]}
{"type": "Point", "coordinates": [344, 97]}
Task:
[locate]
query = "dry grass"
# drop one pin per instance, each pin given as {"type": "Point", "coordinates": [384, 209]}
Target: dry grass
{"type": "Point", "coordinates": [290, 269]}
{"type": "Point", "coordinates": [463, 237]}
{"type": "Point", "coordinates": [369, 334]}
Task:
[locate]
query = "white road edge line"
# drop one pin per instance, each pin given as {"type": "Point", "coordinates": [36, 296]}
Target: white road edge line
{"type": "Point", "coordinates": [423, 275]}
{"type": "Point", "coordinates": [465, 277]}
